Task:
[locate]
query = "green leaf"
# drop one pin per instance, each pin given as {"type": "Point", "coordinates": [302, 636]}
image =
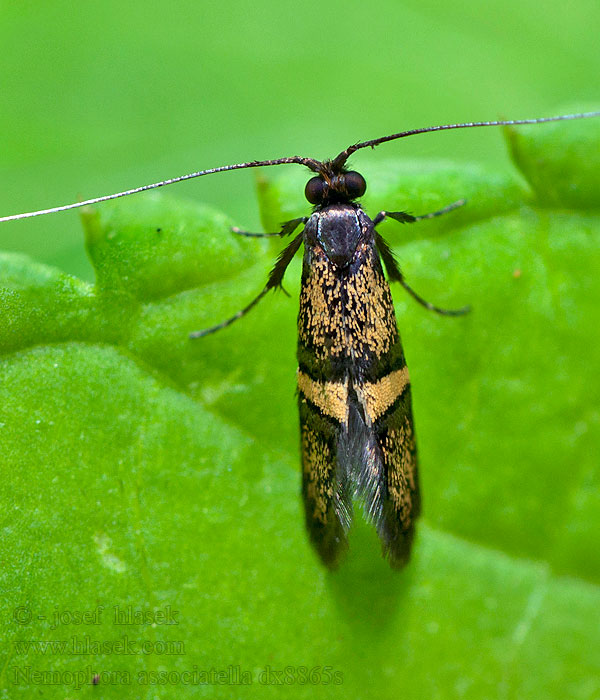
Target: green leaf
{"type": "Point", "coordinates": [560, 164]}
{"type": "Point", "coordinates": [151, 472]}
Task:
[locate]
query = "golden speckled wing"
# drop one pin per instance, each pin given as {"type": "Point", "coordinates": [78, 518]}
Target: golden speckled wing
{"type": "Point", "coordinates": [357, 435]}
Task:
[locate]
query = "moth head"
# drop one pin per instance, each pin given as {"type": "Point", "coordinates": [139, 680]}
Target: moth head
{"type": "Point", "coordinates": [335, 188]}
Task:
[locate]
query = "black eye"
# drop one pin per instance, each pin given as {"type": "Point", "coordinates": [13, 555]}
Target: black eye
{"type": "Point", "coordinates": [355, 184]}
{"type": "Point", "coordinates": [314, 190]}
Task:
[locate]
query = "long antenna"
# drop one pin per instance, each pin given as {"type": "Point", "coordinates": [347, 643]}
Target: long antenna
{"type": "Point", "coordinates": [344, 155]}
{"type": "Point", "coordinates": [311, 163]}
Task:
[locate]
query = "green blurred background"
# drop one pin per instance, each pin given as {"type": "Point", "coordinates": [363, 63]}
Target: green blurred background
{"type": "Point", "coordinates": [97, 97]}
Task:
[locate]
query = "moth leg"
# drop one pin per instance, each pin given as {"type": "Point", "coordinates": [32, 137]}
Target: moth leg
{"type": "Point", "coordinates": [229, 321]}
{"type": "Point", "coordinates": [395, 275]}
{"type": "Point", "coordinates": [287, 229]}
{"type": "Point", "coordinates": [275, 279]}
{"type": "Point", "coordinates": [404, 218]}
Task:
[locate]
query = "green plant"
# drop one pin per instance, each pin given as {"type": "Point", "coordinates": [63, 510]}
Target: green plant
{"type": "Point", "coordinates": [144, 469]}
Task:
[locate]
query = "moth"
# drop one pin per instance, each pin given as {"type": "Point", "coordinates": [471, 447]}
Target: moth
{"type": "Point", "coordinates": [357, 432]}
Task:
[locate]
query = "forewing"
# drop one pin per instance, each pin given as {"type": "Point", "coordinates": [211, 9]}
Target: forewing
{"type": "Point", "coordinates": [325, 486]}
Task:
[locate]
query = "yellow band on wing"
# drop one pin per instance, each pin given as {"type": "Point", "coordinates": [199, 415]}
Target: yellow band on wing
{"type": "Point", "coordinates": [330, 397]}
{"type": "Point", "coordinates": [377, 397]}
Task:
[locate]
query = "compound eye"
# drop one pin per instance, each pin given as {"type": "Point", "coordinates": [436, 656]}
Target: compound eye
{"type": "Point", "coordinates": [355, 184]}
{"type": "Point", "coordinates": [315, 190]}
